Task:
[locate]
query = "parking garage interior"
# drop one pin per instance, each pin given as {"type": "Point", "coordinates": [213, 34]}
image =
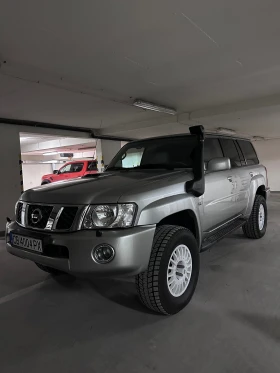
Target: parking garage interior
{"type": "Point", "coordinates": [70, 75]}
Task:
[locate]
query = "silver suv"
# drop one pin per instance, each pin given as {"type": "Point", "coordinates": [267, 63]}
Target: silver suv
{"type": "Point", "coordinates": [159, 203]}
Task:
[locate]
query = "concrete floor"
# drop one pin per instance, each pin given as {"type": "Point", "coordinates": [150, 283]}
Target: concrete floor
{"type": "Point", "coordinates": [67, 325]}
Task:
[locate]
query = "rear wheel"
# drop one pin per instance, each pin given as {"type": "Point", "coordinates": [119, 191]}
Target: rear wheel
{"type": "Point", "coordinates": [50, 270]}
{"type": "Point", "coordinates": [257, 223]}
{"type": "Point", "coordinates": [168, 284]}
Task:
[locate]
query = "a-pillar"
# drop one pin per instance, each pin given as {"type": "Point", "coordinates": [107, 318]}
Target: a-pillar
{"type": "Point", "coordinates": [105, 152]}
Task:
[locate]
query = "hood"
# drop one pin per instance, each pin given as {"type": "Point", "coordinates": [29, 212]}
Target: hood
{"type": "Point", "coordinates": [100, 188]}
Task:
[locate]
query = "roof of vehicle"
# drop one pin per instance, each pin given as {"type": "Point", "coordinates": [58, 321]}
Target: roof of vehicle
{"type": "Point", "coordinates": [207, 134]}
{"type": "Point", "coordinates": [81, 160]}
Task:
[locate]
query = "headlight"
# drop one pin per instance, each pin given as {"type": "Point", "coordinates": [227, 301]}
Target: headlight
{"type": "Point", "coordinates": [109, 216]}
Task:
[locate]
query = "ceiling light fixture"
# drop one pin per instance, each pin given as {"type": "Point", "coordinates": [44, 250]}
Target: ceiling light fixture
{"type": "Point", "coordinates": [50, 153]}
{"type": "Point", "coordinates": [150, 106]}
{"type": "Point", "coordinates": [226, 130]}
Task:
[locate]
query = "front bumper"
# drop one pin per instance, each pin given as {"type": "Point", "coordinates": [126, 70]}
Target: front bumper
{"type": "Point", "coordinates": [132, 249]}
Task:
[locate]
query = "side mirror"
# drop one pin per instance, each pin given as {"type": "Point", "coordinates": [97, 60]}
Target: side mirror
{"type": "Point", "coordinates": [218, 164]}
{"type": "Point", "coordinates": [55, 172]}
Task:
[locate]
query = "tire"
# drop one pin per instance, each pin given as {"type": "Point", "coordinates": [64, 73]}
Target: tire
{"type": "Point", "coordinates": [50, 270]}
{"type": "Point", "coordinates": [152, 287]}
{"type": "Point", "coordinates": [45, 182]}
{"type": "Point", "coordinates": [254, 228]}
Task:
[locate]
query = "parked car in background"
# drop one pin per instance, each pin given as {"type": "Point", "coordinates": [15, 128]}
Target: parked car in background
{"type": "Point", "coordinates": [71, 170]}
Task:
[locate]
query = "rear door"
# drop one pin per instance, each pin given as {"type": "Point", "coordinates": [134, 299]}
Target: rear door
{"type": "Point", "coordinates": [250, 169]}
{"type": "Point", "coordinates": [91, 167]}
{"type": "Point", "coordinates": [218, 200]}
{"type": "Point", "coordinates": [239, 182]}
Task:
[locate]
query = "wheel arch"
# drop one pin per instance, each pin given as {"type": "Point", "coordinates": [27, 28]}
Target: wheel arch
{"type": "Point", "coordinates": [262, 191]}
{"type": "Point", "coordinates": [44, 182]}
{"type": "Point", "coordinates": [185, 218]}
{"type": "Point", "coordinates": [257, 187]}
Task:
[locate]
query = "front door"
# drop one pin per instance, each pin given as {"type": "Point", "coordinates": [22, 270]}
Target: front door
{"type": "Point", "coordinates": [219, 199]}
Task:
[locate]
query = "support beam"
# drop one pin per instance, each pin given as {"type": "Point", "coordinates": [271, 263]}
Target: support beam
{"type": "Point", "coordinates": [105, 152]}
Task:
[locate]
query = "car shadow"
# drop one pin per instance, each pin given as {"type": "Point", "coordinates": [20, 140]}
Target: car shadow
{"type": "Point", "coordinates": [122, 292]}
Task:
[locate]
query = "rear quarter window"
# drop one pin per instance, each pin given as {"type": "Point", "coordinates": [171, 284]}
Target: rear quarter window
{"type": "Point", "coordinates": [248, 152]}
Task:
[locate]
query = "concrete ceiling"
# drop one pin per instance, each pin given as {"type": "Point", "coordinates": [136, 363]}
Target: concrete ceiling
{"type": "Point", "coordinates": [83, 63]}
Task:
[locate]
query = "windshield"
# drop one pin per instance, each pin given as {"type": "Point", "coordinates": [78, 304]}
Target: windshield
{"type": "Point", "coordinates": [163, 153]}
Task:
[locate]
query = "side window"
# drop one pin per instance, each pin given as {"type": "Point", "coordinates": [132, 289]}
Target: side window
{"type": "Point", "coordinates": [92, 166]}
{"type": "Point", "coordinates": [212, 149]}
{"type": "Point", "coordinates": [249, 152]}
{"type": "Point", "coordinates": [230, 151]}
{"type": "Point", "coordinates": [77, 167]}
{"type": "Point", "coordinates": [65, 169]}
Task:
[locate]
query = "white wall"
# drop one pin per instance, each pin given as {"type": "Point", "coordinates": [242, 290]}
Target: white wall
{"type": "Point", "coordinates": [32, 173]}
{"type": "Point", "coordinates": [10, 184]}
{"type": "Point", "coordinates": [269, 155]}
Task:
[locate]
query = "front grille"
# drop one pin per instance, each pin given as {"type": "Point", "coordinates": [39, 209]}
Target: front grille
{"type": "Point", "coordinates": [67, 218]}
{"type": "Point", "coordinates": [19, 211]}
{"type": "Point", "coordinates": [48, 217]}
{"type": "Point", "coordinates": [38, 216]}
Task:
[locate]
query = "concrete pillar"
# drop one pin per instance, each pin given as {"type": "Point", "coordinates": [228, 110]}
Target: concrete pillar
{"type": "Point", "coordinates": [106, 150]}
{"type": "Point", "coordinates": [10, 184]}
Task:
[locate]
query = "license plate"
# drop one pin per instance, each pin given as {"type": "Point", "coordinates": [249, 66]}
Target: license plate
{"type": "Point", "coordinates": [26, 242]}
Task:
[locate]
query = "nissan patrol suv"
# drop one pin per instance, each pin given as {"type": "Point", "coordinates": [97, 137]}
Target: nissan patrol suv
{"type": "Point", "coordinates": [160, 202]}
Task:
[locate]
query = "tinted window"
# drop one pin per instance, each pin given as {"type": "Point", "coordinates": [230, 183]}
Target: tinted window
{"type": "Point", "coordinates": [241, 156]}
{"type": "Point", "coordinates": [249, 152]}
{"type": "Point", "coordinates": [65, 169]}
{"type": "Point", "coordinates": [77, 167]}
{"type": "Point", "coordinates": [230, 151]}
{"type": "Point", "coordinates": [212, 149]}
{"type": "Point", "coordinates": [174, 152]}
{"type": "Point", "coordinates": [92, 166]}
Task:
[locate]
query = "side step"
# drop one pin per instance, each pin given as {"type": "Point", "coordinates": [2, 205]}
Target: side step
{"type": "Point", "coordinates": [220, 233]}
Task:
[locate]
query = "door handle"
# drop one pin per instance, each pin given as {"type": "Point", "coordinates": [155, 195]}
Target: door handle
{"type": "Point", "coordinates": [230, 179]}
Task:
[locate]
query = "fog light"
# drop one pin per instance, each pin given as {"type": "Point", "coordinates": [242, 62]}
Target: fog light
{"type": "Point", "coordinates": [103, 253]}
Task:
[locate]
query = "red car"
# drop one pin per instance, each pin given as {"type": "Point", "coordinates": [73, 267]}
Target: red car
{"type": "Point", "coordinates": [71, 170]}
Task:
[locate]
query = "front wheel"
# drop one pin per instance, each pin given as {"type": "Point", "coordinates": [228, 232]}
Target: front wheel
{"type": "Point", "coordinates": [257, 223]}
{"type": "Point", "coordinates": [168, 284]}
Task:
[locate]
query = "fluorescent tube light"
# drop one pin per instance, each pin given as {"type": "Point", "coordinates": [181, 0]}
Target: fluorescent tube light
{"type": "Point", "coordinates": [50, 153]}
{"type": "Point", "coordinates": [151, 106]}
